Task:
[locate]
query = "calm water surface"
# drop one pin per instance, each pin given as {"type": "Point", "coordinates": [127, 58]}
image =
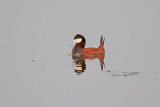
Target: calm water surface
{"type": "Point", "coordinates": [37, 69]}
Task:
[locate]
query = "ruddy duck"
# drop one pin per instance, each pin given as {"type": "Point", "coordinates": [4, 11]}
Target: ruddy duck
{"type": "Point", "coordinates": [79, 48]}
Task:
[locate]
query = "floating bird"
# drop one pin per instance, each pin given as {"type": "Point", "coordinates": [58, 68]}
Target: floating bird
{"type": "Point", "coordinates": [79, 47]}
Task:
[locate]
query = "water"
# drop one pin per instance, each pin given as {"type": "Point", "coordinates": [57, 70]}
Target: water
{"type": "Point", "coordinates": [37, 68]}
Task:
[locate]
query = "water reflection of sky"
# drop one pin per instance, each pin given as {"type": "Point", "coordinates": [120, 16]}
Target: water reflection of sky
{"type": "Point", "coordinates": [80, 66]}
{"type": "Point", "coordinates": [35, 70]}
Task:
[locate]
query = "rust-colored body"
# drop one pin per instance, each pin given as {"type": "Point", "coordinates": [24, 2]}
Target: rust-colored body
{"type": "Point", "coordinates": [79, 49]}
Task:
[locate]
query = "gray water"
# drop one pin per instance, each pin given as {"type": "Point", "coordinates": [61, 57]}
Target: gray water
{"type": "Point", "coordinates": [36, 66]}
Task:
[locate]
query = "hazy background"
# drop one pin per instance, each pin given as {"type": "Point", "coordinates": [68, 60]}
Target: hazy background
{"type": "Point", "coordinates": [36, 70]}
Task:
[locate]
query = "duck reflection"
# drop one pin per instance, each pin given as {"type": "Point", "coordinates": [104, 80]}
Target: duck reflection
{"type": "Point", "coordinates": [80, 65]}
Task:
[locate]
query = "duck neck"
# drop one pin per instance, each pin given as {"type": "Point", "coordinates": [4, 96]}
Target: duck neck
{"type": "Point", "coordinates": [80, 45]}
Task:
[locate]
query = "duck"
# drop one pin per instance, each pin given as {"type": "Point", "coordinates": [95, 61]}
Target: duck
{"type": "Point", "coordinates": [79, 47]}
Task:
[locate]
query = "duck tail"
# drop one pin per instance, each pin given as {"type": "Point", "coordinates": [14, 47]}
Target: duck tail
{"type": "Point", "coordinates": [101, 48]}
{"type": "Point", "coordinates": [102, 40]}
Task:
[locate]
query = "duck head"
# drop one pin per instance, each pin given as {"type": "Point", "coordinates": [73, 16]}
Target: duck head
{"type": "Point", "coordinates": [79, 42]}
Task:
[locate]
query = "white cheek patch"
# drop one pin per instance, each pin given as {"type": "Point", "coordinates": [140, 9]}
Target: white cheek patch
{"type": "Point", "coordinates": [78, 40]}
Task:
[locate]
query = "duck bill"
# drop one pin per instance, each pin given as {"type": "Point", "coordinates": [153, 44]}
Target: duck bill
{"type": "Point", "coordinates": [72, 43]}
